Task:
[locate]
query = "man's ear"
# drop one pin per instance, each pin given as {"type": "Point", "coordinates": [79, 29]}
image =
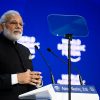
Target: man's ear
{"type": "Point", "coordinates": [1, 27]}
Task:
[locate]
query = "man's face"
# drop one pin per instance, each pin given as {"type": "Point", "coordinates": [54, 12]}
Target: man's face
{"type": "Point", "coordinates": [13, 27]}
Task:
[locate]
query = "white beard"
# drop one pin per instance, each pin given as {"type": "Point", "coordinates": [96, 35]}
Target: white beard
{"type": "Point", "coordinates": [11, 35]}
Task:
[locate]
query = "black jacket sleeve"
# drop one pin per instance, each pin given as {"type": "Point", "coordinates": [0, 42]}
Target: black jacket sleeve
{"type": "Point", "coordinates": [5, 81]}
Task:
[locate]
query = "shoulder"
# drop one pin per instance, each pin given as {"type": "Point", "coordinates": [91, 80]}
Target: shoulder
{"type": "Point", "coordinates": [22, 47]}
{"type": "Point", "coordinates": [1, 34]}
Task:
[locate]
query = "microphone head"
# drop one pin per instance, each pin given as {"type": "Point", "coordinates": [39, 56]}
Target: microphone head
{"type": "Point", "coordinates": [48, 49]}
{"type": "Point", "coordinates": [36, 47]}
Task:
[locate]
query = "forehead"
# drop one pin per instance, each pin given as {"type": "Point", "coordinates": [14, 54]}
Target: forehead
{"type": "Point", "coordinates": [14, 17]}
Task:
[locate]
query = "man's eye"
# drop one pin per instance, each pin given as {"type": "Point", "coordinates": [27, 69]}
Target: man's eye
{"type": "Point", "coordinates": [21, 24]}
{"type": "Point", "coordinates": [13, 22]}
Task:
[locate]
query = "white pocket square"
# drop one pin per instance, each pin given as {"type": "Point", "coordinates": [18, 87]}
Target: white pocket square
{"type": "Point", "coordinates": [31, 57]}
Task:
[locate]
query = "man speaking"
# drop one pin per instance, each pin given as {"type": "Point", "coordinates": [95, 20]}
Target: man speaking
{"type": "Point", "coordinates": [16, 75]}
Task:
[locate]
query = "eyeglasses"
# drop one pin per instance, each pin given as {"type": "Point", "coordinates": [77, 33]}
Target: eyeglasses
{"type": "Point", "coordinates": [15, 23]}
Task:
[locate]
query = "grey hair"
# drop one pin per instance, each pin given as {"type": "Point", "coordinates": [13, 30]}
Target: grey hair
{"type": "Point", "coordinates": [10, 12]}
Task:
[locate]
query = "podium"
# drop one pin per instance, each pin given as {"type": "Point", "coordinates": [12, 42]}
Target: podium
{"type": "Point", "coordinates": [60, 92]}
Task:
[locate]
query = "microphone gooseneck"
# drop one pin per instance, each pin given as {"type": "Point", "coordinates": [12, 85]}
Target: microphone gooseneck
{"type": "Point", "coordinates": [49, 50]}
{"type": "Point", "coordinates": [44, 59]}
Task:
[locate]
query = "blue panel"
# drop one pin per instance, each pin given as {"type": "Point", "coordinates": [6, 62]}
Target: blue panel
{"type": "Point", "coordinates": [35, 14]}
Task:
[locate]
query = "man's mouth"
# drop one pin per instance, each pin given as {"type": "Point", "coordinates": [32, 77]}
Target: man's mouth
{"type": "Point", "coordinates": [17, 32]}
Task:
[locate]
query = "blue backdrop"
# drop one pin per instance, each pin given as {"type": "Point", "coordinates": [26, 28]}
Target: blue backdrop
{"type": "Point", "coordinates": [35, 12]}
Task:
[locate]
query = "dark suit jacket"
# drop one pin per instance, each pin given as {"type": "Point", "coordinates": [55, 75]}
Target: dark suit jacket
{"type": "Point", "coordinates": [14, 58]}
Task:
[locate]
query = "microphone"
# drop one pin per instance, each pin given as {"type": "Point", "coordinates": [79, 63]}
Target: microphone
{"type": "Point", "coordinates": [49, 50]}
{"type": "Point", "coordinates": [50, 70]}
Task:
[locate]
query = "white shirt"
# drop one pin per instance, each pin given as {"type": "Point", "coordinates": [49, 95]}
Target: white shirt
{"type": "Point", "coordinates": [14, 79]}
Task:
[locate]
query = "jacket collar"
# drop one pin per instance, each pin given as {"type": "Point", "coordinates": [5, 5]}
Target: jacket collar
{"type": "Point", "coordinates": [5, 39]}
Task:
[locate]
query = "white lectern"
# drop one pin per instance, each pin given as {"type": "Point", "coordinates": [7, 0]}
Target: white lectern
{"type": "Point", "coordinates": [60, 92]}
